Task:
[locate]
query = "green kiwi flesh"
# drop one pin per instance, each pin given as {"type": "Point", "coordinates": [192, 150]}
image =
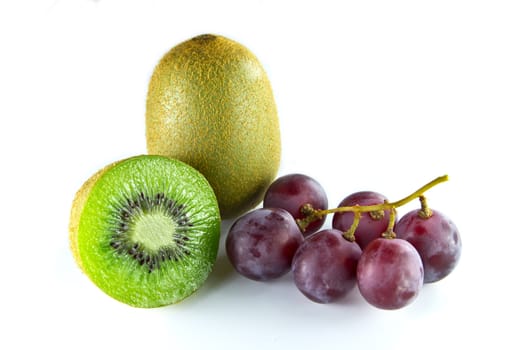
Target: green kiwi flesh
{"type": "Point", "coordinates": [146, 230]}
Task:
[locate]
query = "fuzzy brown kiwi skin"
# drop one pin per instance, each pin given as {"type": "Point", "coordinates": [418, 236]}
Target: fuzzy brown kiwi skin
{"type": "Point", "coordinates": [76, 210]}
{"type": "Point", "coordinates": [210, 105]}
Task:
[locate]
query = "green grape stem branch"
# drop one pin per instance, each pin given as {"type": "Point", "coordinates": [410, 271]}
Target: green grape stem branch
{"type": "Point", "coordinates": [311, 214]}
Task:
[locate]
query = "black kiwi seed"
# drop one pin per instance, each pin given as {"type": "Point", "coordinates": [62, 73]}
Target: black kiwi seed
{"type": "Point", "coordinates": [142, 204]}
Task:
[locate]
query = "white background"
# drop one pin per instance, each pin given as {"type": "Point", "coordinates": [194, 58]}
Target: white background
{"type": "Point", "coordinates": [378, 95]}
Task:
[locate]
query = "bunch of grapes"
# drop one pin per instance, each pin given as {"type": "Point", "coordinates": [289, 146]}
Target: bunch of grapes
{"type": "Point", "coordinates": [388, 259]}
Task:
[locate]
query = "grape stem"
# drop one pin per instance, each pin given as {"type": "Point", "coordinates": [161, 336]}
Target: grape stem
{"type": "Point", "coordinates": [315, 214]}
{"type": "Point", "coordinates": [425, 211]}
{"type": "Point", "coordinates": [389, 233]}
{"type": "Point", "coordinates": [350, 234]}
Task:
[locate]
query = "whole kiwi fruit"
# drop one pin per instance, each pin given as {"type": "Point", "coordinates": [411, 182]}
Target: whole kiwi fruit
{"type": "Point", "coordinates": [146, 230]}
{"type": "Point", "coordinates": [210, 104]}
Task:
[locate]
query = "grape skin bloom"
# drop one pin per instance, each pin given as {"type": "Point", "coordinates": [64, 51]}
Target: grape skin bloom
{"type": "Point", "coordinates": [291, 192]}
{"type": "Point", "coordinates": [261, 244]}
{"type": "Point", "coordinates": [324, 267]}
{"type": "Point", "coordinates": [368, 228]}
{"type": "Point", "coordinates": [436, 239]}
{"type": "Point", "coordinates": [390, 273]}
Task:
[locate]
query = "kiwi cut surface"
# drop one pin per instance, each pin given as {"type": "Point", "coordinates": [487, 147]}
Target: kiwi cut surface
{"type": "Point", "coordinates": [146, 230]}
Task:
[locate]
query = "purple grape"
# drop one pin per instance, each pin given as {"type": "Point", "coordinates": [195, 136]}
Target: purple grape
{"type": "Point", "coordinates": [261, 244]}
{"type": "Point", "coordinates": [369, 228]}
{"type": "Point", "coordinates": [390, 273]}
{"type": "Point", "coordinates": [436, 239]}
{"type": "Point", "coordinates": [291, 192]}
{"type": "Point", "coordinates": [324, 266]}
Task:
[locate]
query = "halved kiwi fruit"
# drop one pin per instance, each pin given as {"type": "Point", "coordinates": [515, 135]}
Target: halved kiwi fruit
{"type": "Point", "coordinates": [146, 230]}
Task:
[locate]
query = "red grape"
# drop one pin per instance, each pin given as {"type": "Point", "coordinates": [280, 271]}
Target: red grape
{"type": "Point", "coordinates": [261, 244]}
{"type": "Point", "coordinates": [369, 228]}
{"type": "Point", "coordinates": [390, 273]}
{"type": "Point", "coordinates": [435, 238]}
{"type": "Point", "coordinates": [291, 192]}
{"type": "Point", "coordinates": [324, 266]}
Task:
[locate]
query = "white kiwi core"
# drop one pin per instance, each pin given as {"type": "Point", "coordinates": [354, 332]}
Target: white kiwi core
{"type": "Point", "coordinates": [153, 230]}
